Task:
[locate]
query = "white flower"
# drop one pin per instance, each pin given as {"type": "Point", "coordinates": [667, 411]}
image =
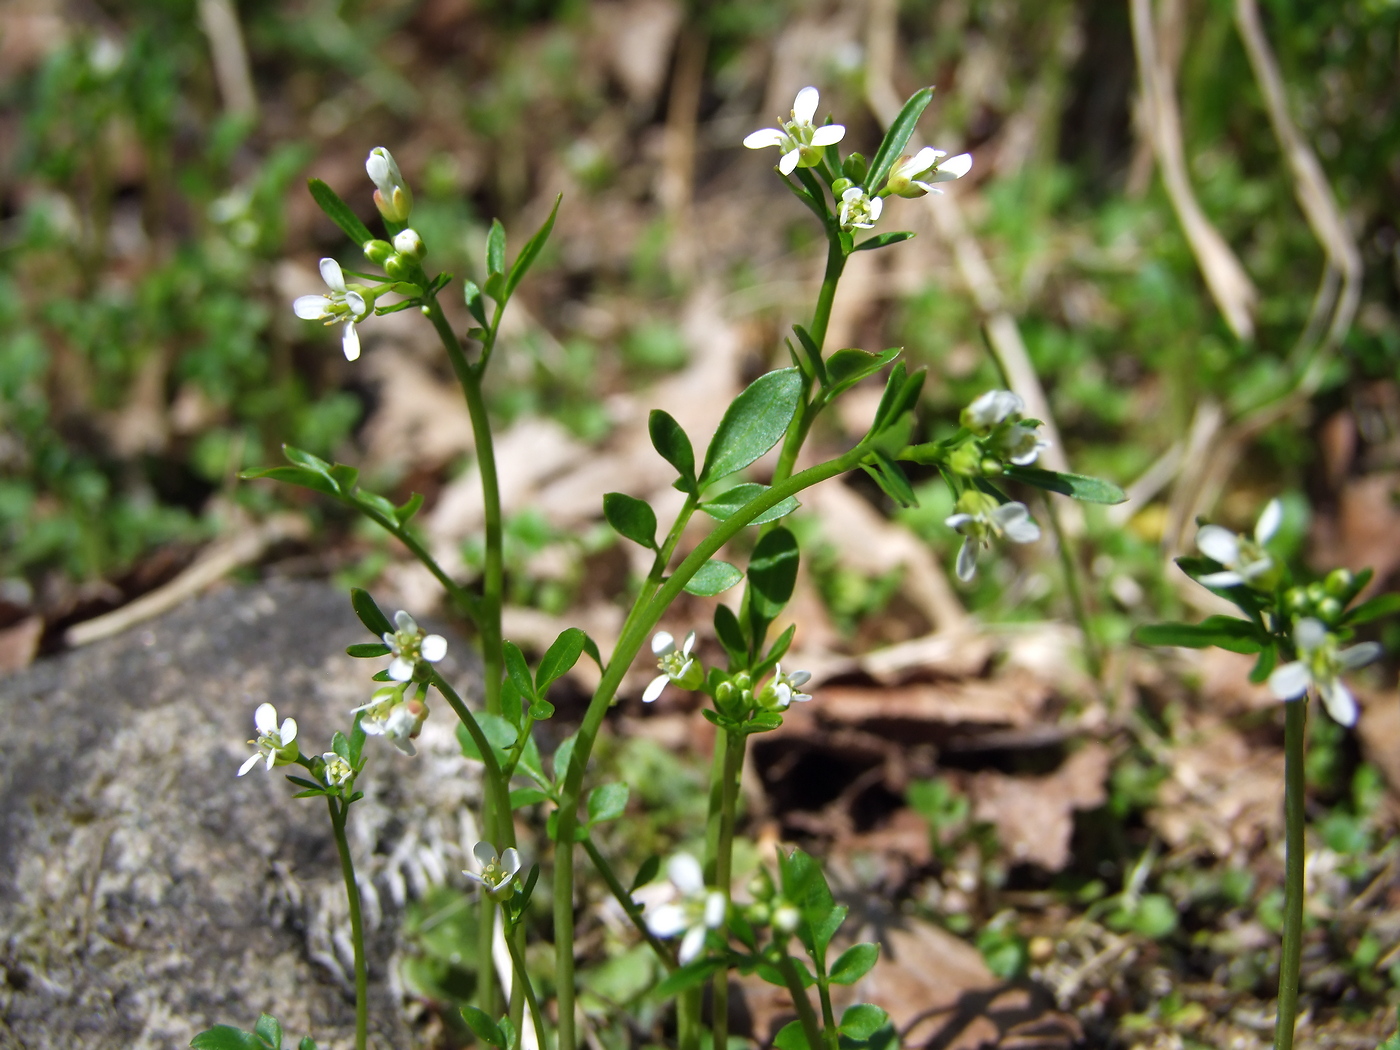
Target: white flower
{"type": "Point", "coordinates": [1018, 443]}
{"type": "Point", "coordinates": [996, 416]}
{"type": "Point", "coordinates": [991, 409]}
{"type": "Point", "coordinates": [692, 908]}
{"type": "Point", "coordinates": [496, 871]}
{"type": "Point", "coordinates": [1320, 665]}
{"type": "Point", "coordinates": [342, 305]}
{"type": "Point", "coordinates": [677, 665]}
{"type": "Point", "coordinates": [980, 518]}
{"type": "Point", "coordinates": [858, 209]}
{"type": "Point", "coordinates": [389, 715]}
{"type": "Point", "coordinates": [1244, 560]}
{"type": "Point", "coordinates": [914, 176]}
{"type": "Point", "coordinates": [409, 645]}
{"type": "Point", "coordinates": [274, 744]}
{"type": "Point", "coordinates": [784, 690]}
{"type": "Point", "coordinates": [802, 142]}
{"type": "Point", "coordinates": [392, 196]}
{"type": "Point", "coordinates": [338, 771]}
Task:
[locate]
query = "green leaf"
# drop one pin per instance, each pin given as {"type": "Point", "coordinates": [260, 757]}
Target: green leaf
{"type": "Point", "coordinates": [507, 1030]}
{"type": "Point", "coordinates": [792, 1036]}
{"type": "Point", "coordinates": [340, 745]}
{"type": "Point", "coordinates": [486, 1029]}
{"type": "Point", "coordinates": [345, 478]}
{"type": "Point", "coordinates": [496, 252]}
{"type": "Point", "coordinates": [1224, 632]}
{"type": "Point", "coordinates": [269, 1030]}
{"type": "Point", "coordinates": [561, 655]}
{"type": "Point", "coordinates": [307, 1043]}
{"type": "Point", "coordinates": [901, 392]}
{"type": "Point", "coordinates": [848, 367]}
{"type": "Point", "coordinates": [814, 353]}
{"type": "Point", "coordinates": [731, 636]}
{"type": "Point", "coordinates": [805, 886]}
{"type": "Point", "coordinates": [376, 504]}
{"type": "Point", "coordinates": [863, 1020]}
{"type": "Point", "coordinates": [890, 477]}
{"type": "Point", "coordinates": [405, 512]}
{"type": "Point", "coordinates": [632, 518]}
{"type": "Point", "coordinates": [563, 755]}
{"type": "Point", "coordinates": [1385, 605]}
{"type": "Point", "coordinates": [307, 479]}
{"type": "Point", "coordinates": [772, 576]}
{"type": "Point", "coordinates": [688, 976]}
{"type": "Point", "coordinates": [1264, 666]}
{"type": "Point", "coordinates": [476, 306]}
{"type": "Point", "coordinates": [671, 442]}
{"type": "Point", "coordinates": [607, 802]}
{"type": "Point", "coordinates": [541, 709]}
{"type": "Point", "coordinates": [367, 650]}
{"type": "Point", "coordinates": [526, 797]}
{"type": "Point", "coordinates": [339, 212]}
{"type": "Point", "coordinates": [519, 671]}
{"type": "Point", "coordinates": [896, 138]}
{"type": "Point", "coordinates": [882, 240]}
{"type": "Point", "coordinates": [1077, 486]}
{"type": "Point", "coordinates": [226, 1037]}
{"type": "Point", "coordinates": [646, 873]}
{"type": "Point", "coordinates": [532, 248]}
{"type": "Point", "coordinates": [499, 733]}
{"type": "Point", "coordinates": [375, 621]}
{"type": "Point", "coordinates": [714, 577]}
{"type": "Point", "coordinates": [753, 423]}
{"type": "Point", "coordinates": [357, 741]}
{"type": "Point", "coordinates": [854, 963]}
{"type": "Point", "coordinates": [729, 502]}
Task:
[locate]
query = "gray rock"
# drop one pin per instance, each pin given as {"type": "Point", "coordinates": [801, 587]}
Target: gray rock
{"type": "Point", "coordinates": [146, 892]}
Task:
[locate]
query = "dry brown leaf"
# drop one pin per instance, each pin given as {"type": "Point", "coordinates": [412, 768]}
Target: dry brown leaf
{"type": "Point", "coordinates": [1034, 816]}
{"type": "Point", "coordinates": [1363, 535]}
{"type": "Point", "coordinates": [19, 643]}
{"type": "Point", "coordinates": [1010, 700]}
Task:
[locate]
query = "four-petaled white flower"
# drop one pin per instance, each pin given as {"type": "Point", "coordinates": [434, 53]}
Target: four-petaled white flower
{"type": "Point", "coordinates": [1245, 560]}
{"type": "Point", "coordinates": [915, 176]}
{"type": "Point", "coordinates": [1017, 443]}
{"type": "Point", "coordinates": [800, 140]}
{"type": "Point", "coordinates": [338, 771]}
{"type": "Point", "coordinates": [677, 665]}
{"type": "Point", "coordinates": [496, 871]}
{"type": "Point", "coordinates": [858, 209]}
{"type": "Point", "coordinates": [996, 416]}
{"type": "Point", "coordinates": [991, 409]}
{"type": "Point", "coordinates": [410, 645]}
{"type": "Point", "coordinates": [392, 196]}
{"type": "Point", "coordinates": [389, 715]}
{"type": "Point", "coordinates": [980, 518]}
{"type": "Point", "coordinates": [692, 909]}
{"type": "Point", "coordinates": [783, 690]}
{"type": "Point", "coordinates": [276, 745]}
{"type": "Point", "coordinates": [343, 305]}
{"type": "Point", "coordinates": [1320, 664]}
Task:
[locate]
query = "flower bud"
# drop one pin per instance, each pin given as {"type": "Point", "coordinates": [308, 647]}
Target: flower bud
{"type": "Point", "coordinates": [991, 467]}
{"type": "Point", "coordinates": [786, 918]}
{"type": "Point", "coordinates": [407, 242]}
{"type": "Point", "coordinates": [1297, 600]}
{"type": "Point", "coordinates": [378, 252]}
{"type": "Point", "coordinates": [1340, 583]}
{"type": "Point", "coordinates": [840, 186]}
{"type": "Point", "coordinates": [398, 267]}
{"type": "Point", "coordinates": [761, 885]}
{"type": "Point", "coordinates": [966, 460]}
{"type": "Point", "coordinates": [855, 167]}
{"type": "Point", "coordinates": [1330, 610]}
{"type": "Point", "coordinates": [758, 914]}
{"type": "Point", "coordinates": [1316, 592]}
{"type": "Point", "coordinates": [729, 699]}
{"type": "Point", "coordinates": [392, 196]}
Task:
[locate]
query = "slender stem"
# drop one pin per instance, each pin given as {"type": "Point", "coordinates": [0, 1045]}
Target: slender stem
{"type": "Point", "coordinates": [821, 317]}
{"type": "Point", "coordinates": [1076, 595]}
{"type": "Point", "coordinates": [522, 981]}
{"type": "Point", "coordinates": [659, 563]}
{"type": "Point", "coordinates": [729, 790]}
{"type": "Point", "coordinates": [688, 1027]}
{"type": "Point", "coordinates": [1291, 955]}
{"type": "Point", "coordinates": [631, 907]}
{"type": "Point", "coordinates": [464, 599]}
{"type": "Point", "coordinates": [829, 1032]}
{"type": "Point", "coordinates": [800, 1002]}
{"type": "Point", "coordinates": [357, 926]}
{"type": "Point", "coordinates": [629, 644]}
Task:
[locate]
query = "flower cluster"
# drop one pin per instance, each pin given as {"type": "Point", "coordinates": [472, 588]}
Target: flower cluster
{"type": "Point", "coordinates": [390, 715]}
{"type": "Point", "coordinates": [344, 305]}
{"type": "Point", "coordinates": [997, 418]}
{"type": "Point", "coordinates": [783, 690]}
{"type": "Point", "coordinates": [677, 665]}
{"type": "Point", "coordinates": [980, 519]}
{"type": "Point", "coordinates": [691, 909]}
{"type": "Point", "coordinates": [276, 745]}
{"type": "Point", "coordinates": [1319, 666]}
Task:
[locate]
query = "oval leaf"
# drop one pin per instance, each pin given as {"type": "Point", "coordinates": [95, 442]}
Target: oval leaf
{"type": "Point", "coordinates": [339, 212]}
{"type": "Point", "coordinates": [863, 1020]}
{"type": "Point", "coordinates": [729, 502]}
{"type": "Point", "coordinates": [772, 573]}
{"type": "Point", "coordinates": [671, 442]}
{"type": "Point", "coordinates": [855, 962]}
{"type": "Point", "coordinates": [753, 423]}
{"type": "Point", "coordinates": [896, 138]}
{"type": "Point", "coordinates": [480, 1023]}
{"type": "Point", "coordinates": [560, 657]}
{"type": "Point", "coordinates": [519, 671]}
{"type": "Point", "coordinates": [632, 518]}
{"type": "Point", "coordinates": [607, 802]}
{"type": "Point", "coordinates": [1076, 486]}
{"type": "Point", "coordinates": [226, 1037]}
{"type": "Point", "coordinates": [369, 613]}
{"type": "Point", "coordinates": [1224, 632]}
{"type": "Point", "coordinates": [714, 577]}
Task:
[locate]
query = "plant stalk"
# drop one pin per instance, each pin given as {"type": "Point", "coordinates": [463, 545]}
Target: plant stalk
{"type": "Point", "coordinates": [1291, 953]}
{"type": "Point", "coordinates": [724, 860]}
{"type": "Point", "coordinates": [800, 1002]}
{"type": "Point", "coordinates": [522, 981]}
{"type": "Point", "coordinates": [821, 317]}
{"type": "Point", "coordinates": [357, 926]}
{"type": "Point", "coordinates": [631, 907]}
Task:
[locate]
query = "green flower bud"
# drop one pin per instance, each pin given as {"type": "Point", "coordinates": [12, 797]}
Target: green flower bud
{"type": "Point", "coordinates": [398, 267]}
{"type": "Point", "coordinates": [991, 467]}
{"type": "Point", "coordinates": [1340, 583]}
{"type": "Point", "coordinates": [1296, 601]}
{"type": "Point", "coordinates": [966, 460]}
{"type": "Point", "coordinates": [840, 186]}
{"type": "Point", "coordinates": [855, 168]}
{"type": "Point", "coordinates": [378, 252]}
{"type": "Point", "coordinates": [1330, 610]}
{"type": "Point", "coordinates": [1316, 592]}
{"type": "Point", "coordinates": [758, 914]}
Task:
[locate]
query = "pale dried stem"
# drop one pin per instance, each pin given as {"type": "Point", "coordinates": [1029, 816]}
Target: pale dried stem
{"type": "Point", "coordinates": [219, 20]}
{"type": "Point", "coordinates": [676, 183]}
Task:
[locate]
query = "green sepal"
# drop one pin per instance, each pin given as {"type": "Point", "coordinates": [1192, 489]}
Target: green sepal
{"type": "Point", "coordinates": [365, 608]}
{"type": "Point", "coordinates": [731, 501]}
{"type": "Point", "coordinates": [883, 240]}
{"type": "Point", "coordinates": [631, 518]}
{"type": "Point", "coordinates": [1223, 632]}
{"type": "Point", "coordinates": [714, 577]}
{"type": "Point", "coordinates": [1076, 486]}
{"type": "Point", "coordinates": [896, 138]}
{"type": "Point", "coordinates": [753, 423]}
{"type": "Point", "coordinates": [339, 212]}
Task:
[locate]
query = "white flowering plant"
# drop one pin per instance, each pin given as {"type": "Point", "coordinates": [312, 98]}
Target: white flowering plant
{"type": "Point", "coordinates": [699, 934]}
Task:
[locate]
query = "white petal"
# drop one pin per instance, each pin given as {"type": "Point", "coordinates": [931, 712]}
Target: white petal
{"type": "Point", "coordinates": [957, 521]}
{"type": "Point", "coordinates": [667, 920]}
{"type": "Point", "coordinates": [404, 744]}
{"type": "Point", "coordinates": [265, 718]}
{"type": "Point", "coordinates": [1360, 655]}
{"type": "Point", "coordinates": [954, 168]}
{"type": "Point", "coordinates": [401, 670]}
{"type": "Point", "coordinates": [877, 205]}
{"type": "Point", "coordinates": [828, 134]}
{"type": "Point", "coordinates": [330, 273]}
{"type": "Point", "coordinates": [1015, 520]}
{"type": "Point", "coordinates": [310, 307]}
{"type": "Point", "coordinates": [434, 648]}
{"type": "Point", "coordinates": [789, 162]}
{"type": "Point", "coordinates": [249, 764]}
{"type": "Point", "coordinates": [350, 342]}
{"type": "Point", "coordinates": [764, 137]}
{"type": "Point", "coordinates": [1220, 579]}
{"type": "Point", "coordinates": [689, 644]}
{"type": "Point", "coordinates": [654, 687]}
{"type": "Point", "coordinates": [799, 678]}
{"type": "Point", "coordinates": [405, 622]}
{"type": "Point", "coordinates": [484, 852]}
{"type": "Point", "coordinates": [1290, 681]}
{"type": "Point", "coordinates": [289, 731]}
{"type": "Point", "coordinates": [510, 861]}
{"type": "Point", "coordinates": [922, 161]}
{"type": "Point", "coordinates": [714, 909]}
{"type": "Point", "coordinates": [271, 759]}
{"type": "Point", "coordinates": [1309, 633]}
{"type": "Point", "coordinates": [684, 872]}
{"type": "Point", "coordinates": [474, 877]}
{"type": "Point", "coordinates": [1341, 705]}
{"type": "Point", "coordinates": [359, 310]}
{"type": "Point", "coordinates": [691, 944]}
{"type": "Point", "coordinates": [1269, 522]}
{"type": "Point", "coordinates": [1222, 545]}
{"type": "Point", "coordinates": [662, 643]}
{"type": "Point", "coordinates": [967, 560]}
{"type": "Point", "coordinates": [804, 107]}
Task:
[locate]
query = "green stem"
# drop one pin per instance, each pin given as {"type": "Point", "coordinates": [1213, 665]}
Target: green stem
{"type": "Point", "coordinates": [688, 1006]}
{"type": "Point", "coordinates": [1291, 956]}
{"type": "Point", "coordinates": [800, 1002]}
{"type": "Point", "coordinates": [629, 644]}
{"type": "Point", "coordinates": [659, 563]}
{"type": "Point", "coordinates": [1076, 595]}
{"type": "Point", "coordinates": [357, 926]}
{"type": "Point", "coordinates": [465, 601]}
{"type": "Point", "coordinates": [729, 790]}
{"type": "Point", "coordinates": [821, 317]}
{"type": "Point", "coordinates": [829, 1032]}
{"type": "Point", "coordinates": [522, 982]}
{"type": "Point", "coordinates": [631, 907]}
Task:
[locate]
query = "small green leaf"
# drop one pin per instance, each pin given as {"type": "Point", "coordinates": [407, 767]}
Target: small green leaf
{"type": "Point", "coordinates": [486, 1029]}
{"type": "Point", "coordinates": [891, 479]}
{"type": "Point", "coordinates": [646, 873]}
{"type": "Point", "coordinates": [526, 797]}
{"type": "Point", "coordinates": [375, 504]}
{"type": "Point", "coordinates": [561, 655]}
{"type": "Point", "coordinates": [340, 745]}
{"type": "Point", "coordinates": [791, 1036]}
{"type": "Point", "coordinates": [345, 478]}
{"type": "Point", "coordinates": [896, 138]}
{"type": "Point", "coordinates": [499, 733]}
{"type": "Point", "coordinates": [813, 352]}
{"type": "Point", "coordinates": [772, 576]}
{"type": "Point", "coordinates": [671, 442]}
{"type": "Point", "coordinates": [849, 366]}
{"type": "Point", "coordinates": [307, 1043]}
{"type": "Point", "coordinates": [496, 252]}
{"type": "Point", "coordinates": [688, 976]}
{"type": "Point", "coordinates": [375, 621]}
{"type": "Point", "coordinates": [405, 512]}
{"type": "Point", "coordinates": [1264, 666]}
{"type": "Point", "coordinates": [1384, 605]}
{"type": "Point", "coordinates": [882, 240]}
{"type": "Point", "coordinates": [1223, 632]}
{"type": "Point", "coordinates": [753, 423]}
{"type": "Point", "coordinates": [339, 212]}
{"type": "Point", "coordinates": [901, 393]}
{"type": "Point", "coordinates": [269, 1030]}
{"type": "Point", "coordinates": [226, 1037]}
{"type": "Point", "coordinates": [607, 802]}
{"type": "Point", "coordinates": [863, 1020]}
{"type": "Point", "coordinates": [729, 502]}
{"type": "Point", "coordinates": [632, 518]}
{"type": "Point", "coordinates": [532, 248]}
{"type": "Point", "coordinates": [519, 671]}
{"type": "Point", "coordinates": [854, 963]}
{"type": "Point", "coordinates": [731, 636]}
{"type": "Point", "coordinates": [1077, 486]}
{"type": "Point", "coordinates": [541, 709]}
{"type": "Point", "coordinates": [476, 306]}
{"type": "Point", "coordinates": [367, 650]}
{"type": "Point", "coordinates": [714, 577]}
{"type": "Point", "coordinates": [307, 479]}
